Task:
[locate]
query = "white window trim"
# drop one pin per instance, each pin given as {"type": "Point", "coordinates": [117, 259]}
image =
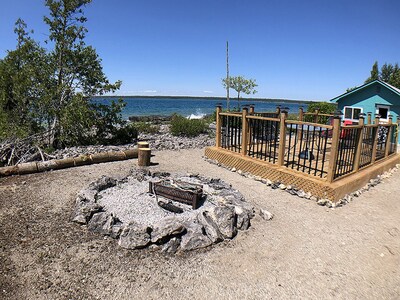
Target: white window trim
{"type": "Point", "coordinates": [352, 113]}
{"type": "Point", "coordinates": [378, 106]}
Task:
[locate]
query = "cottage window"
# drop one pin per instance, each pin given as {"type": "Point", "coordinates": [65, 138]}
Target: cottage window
{"type": "Point", "coordinates": [352, 113]}
{"type": "Point", "coordinates": [384, 111]}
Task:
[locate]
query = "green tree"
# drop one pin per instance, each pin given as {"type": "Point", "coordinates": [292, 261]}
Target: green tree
{"type": "Point", "coordinates": [240, 85]}
{"type": "Point", "coordinates": [388, 73]}
{"type": "Point", "coordinates": [23, 84]}
{"type": "Point", "coordinates": [323, 107]}
{"type": "Point", "coordinates": [374, 73]}
{"type": "Point", "coordinates": [77, 69]}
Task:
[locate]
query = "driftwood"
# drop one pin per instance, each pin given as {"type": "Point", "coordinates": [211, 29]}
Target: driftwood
{"type": "Point", "coordinates": [88, 159]}
{"type": "Point", "coordinates": [17, 151]}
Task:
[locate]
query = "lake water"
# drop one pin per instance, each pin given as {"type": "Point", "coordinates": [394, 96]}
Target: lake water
{"type": "Point", "coordinates": [194, 107]}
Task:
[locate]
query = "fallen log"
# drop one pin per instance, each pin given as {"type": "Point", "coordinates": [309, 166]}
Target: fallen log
{"type": "Point", "coordinates": [55, 164]}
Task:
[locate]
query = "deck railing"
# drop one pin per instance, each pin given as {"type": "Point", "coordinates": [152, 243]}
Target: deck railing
{"type": "Point", "coordinates": [327, 152]}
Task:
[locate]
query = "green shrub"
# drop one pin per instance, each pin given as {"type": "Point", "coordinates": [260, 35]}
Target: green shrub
{"type": "Point", "coordinates": [146, 127]}
{"type": "Point", "coordinates": [124, 135]}
{"type": "Point", "coordinates": [324, 108]}
{"type": "Point", "coordinates": [180, 126]}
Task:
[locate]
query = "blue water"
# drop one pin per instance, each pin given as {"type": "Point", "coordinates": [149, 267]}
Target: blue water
{"type": "Point", "coordinates": [192, 106]}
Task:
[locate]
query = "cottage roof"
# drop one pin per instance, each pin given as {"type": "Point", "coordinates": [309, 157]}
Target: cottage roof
{"type": "Point", "coordinates": [385, 84]}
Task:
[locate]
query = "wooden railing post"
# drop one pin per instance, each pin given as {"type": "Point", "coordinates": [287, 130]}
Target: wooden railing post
{"type": "Point", "coordinates": [282, 138]}
{"type": "Point", "coordinates": [278, 111]}
{"type": "Point", "coordinates": [359, 144]}
{"type": "Point", "coordinates": [389, 136]}
{"type": "Point", "coordinates": [334, 148]}
{"type": "Point", "coordinates": [316, 115]}
{"type": "Point", "coordinates": [251, 111]}
{"type": "Point", "coordinates": [218, 125]}
{"type": "Point", "coordinates": [369, 118]}
{"type": "Point", "coordinates": [245, 131]}
{"type": "Point", "coordinates": [301, 114]}
{"type": "Point", "coordinates": [375, 138]}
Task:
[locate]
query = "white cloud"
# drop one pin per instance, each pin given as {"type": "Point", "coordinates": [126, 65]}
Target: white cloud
{"type": "Point", "coordinates": [208, 92]}
{"type": "Point", "coordinates": [149, 91]}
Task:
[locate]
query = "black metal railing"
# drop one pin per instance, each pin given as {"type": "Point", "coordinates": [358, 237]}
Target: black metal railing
{"type": "Point", "coordinates": [367, 143]}
{"type": "Point", "coordinates": [393, 139]}
{"type": "Point", "coordinates": [381, 144]}
{"type": "Point", "coordinates": [231, 132]}
{"type": "Point", "coordinates": [263, 139]}
{"type": "Point", "coordinates": [347, 149]}
{"type": "Point", "coordinates": [306, 148]}
{"type": "Point", "coordinates": [267, 114]}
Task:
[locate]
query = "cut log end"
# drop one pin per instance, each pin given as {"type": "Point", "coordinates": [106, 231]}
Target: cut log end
{"type": "Point", "coordinates": [144, 157]}
{"type": "Point", "coordinates": [143, 145]}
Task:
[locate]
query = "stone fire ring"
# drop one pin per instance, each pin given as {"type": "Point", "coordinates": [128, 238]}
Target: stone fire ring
{"type": "Point", "coordinates": [125, 210]}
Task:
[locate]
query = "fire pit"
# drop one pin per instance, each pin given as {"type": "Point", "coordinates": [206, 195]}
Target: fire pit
{"type": "Point", "coordinates": [171, 212]}
{"type": "Point", "coordinates": [183, 192]}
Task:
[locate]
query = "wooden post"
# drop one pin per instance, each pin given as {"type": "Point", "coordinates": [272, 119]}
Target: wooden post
{"type": "Point", "coordinates": [359, 144]}
{"type": "Point", "coordinates": [375, 138]}
{"type": "Point", "coordinates": [278, 111]}
{"type": "Point", "coordinates": [218, 129]}
{"type": "Point", "coordinates": [143, 145]}
{"type": "Point", "coordinates": [316, 112]}
{"type": "Point", "coordinates": [251, 111]}
{"type": "Point", "coordinates": [245, 133]}
{"type": "Point", "coordinates": [301, 119]}
{"type": "Point", "coordinates": [369, 118]}
{"type": "Point", "coordinates": [334, 148]}
{"type": "Point", "coordinates": [389, 136]}
{"type": "Point", "coordinates": [301, 114]}
{"type": "Point", "coordinates": [144, 157]}
{"type": "Point", "coordinates": [282, 138]}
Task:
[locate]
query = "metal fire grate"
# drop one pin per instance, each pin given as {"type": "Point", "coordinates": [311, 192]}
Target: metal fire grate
{"type": "Point", "coordinates": [181, 191]}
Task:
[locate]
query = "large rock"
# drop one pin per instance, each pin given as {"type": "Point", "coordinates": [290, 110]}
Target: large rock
{"type": "Point", "coordinates": [84, 211]}
{"type": "Point", "coordinates": [210, 227]}
{"type": "Point", "coordinates": [104, 182]}
{"type": "Point", "coordinates": [242, 218]}
{"type": "Point", "coordinates": [134, 236]}
{"type": "Point", "coordinates": [102, 223]}
{"type": "Point", "coordinates": [194, 238]}
{"type": "Point", "coordinates": [225, 219]}
{"type": "Point", "coordinates": [172, 245]}
{"type": "Point", "coordinates": [166, 228]}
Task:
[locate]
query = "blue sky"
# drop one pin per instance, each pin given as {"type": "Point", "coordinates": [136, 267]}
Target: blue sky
{"type": "Point", "coordinates": [311, 49]}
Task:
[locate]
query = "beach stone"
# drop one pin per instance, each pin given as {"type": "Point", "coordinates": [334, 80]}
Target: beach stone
{"type": "Point", "coordinates": [194, 238]}
{"type": "Point", "coordinates": [269, 182]}
{"type": "Point", "coordinates": [282, 186]}
{"type": "Point", "coordinates": [322, 202]}
{"type": "Point", "coordinates": [134, 236]}
{"type": "Point", "coordinates": [166, 228]}
{"type": "Point", "coordinates": [266, 215]}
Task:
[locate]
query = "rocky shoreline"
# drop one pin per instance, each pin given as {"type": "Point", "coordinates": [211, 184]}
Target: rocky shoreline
{"type": "Point", "coordinates": [162, 140]}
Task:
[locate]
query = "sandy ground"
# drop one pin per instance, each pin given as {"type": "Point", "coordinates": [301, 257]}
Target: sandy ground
{"type": "Point", "coordinates": [305, 252]}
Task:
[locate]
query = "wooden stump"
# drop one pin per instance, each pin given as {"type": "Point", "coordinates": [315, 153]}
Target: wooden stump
{"type": "Point", "coordinates": [144, 157]}
{"type": "Point", "coordinates": [143, 145]}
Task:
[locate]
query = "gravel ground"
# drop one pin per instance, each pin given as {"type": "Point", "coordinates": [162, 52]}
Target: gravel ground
{"type": "Point", "coordinates": [306, 251]}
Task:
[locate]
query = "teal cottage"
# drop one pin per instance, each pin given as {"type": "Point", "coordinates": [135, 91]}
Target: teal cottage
{"type": "Point", "coordinates": [376, 97]}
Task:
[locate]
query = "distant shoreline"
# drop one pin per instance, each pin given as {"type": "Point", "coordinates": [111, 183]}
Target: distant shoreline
{"type": "Point", "coordinates": [209, 98]}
